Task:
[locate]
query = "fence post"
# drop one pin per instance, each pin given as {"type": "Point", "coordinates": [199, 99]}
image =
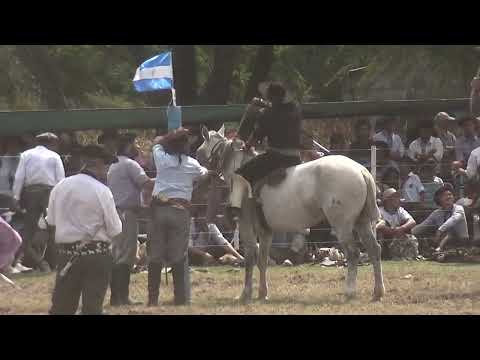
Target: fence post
{"type": "Point", "coordinates": [373, 170]}
{"type": "Point", "coordinates": [373, 162]}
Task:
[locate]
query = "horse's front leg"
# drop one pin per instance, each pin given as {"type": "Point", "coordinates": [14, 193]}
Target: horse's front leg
{"type": "Point", "coordinates": [249, 239]}
{"type": "Point", "coordinates": [265, 238]}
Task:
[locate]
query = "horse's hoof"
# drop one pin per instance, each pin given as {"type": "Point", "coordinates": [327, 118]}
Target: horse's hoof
{"type": "Point", "coordinates": [377, 298]}
{"type": "Point", "coordinates": [263, 299]}
{"type": "Point", "coordinates": [244, 299]}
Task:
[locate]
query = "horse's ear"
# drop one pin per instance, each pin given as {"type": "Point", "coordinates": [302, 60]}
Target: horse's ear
{"type": "Point", "coordinates": [222, 131]}
{"type": "Point", "coordinates": [205, 133]}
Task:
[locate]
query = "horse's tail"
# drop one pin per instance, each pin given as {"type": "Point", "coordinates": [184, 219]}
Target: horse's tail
{"type": "Point", "coordinates": [370, 212]}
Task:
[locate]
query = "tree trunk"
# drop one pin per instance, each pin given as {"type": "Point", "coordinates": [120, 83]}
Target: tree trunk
{"type": "Point", "coordinates": [37, 60]}
{"type": "Point", "coordinates": [217, 90]}
{"type": "Point", "coordinates": [261, 69]}
{"type": "Point", "coordinates": [185, 74]}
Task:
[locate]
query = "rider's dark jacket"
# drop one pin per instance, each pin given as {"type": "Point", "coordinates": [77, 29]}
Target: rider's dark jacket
{"type": "Point", "coordinates": [281, 125]}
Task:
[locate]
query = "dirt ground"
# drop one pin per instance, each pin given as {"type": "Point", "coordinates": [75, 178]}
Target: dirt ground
{"type": "Point", "coordinates": [412, 288]}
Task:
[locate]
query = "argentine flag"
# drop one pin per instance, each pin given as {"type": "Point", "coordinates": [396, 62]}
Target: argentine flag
{"type": "Point", "coordinates": [155, 74]}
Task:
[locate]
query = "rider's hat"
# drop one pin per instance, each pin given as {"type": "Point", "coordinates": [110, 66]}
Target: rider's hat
{"type": "Point", "coordinates": [275, 88]}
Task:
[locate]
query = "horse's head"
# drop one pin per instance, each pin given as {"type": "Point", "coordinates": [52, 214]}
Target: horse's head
{"type": "Point", "coordinates": [219, 153]}
{"type": "Point", "coordinates": [211, 140]}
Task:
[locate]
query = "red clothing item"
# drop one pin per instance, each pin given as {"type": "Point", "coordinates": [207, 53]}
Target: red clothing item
{"type": "Point", "coordinates": [10, 242]}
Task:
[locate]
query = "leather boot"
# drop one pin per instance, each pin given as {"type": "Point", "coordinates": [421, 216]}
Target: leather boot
{"type": "Point", "coordinates": [115, 287]}
{"type": "Point", "coordinates": [125, 286]}
{"type": "Point", "coordinates": [154, 277]}
{"type": "Point", "coordinates": [181, 282]}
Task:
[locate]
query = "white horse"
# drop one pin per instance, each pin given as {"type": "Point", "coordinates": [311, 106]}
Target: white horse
{"type": "Point", "coordinates": [334, 188]}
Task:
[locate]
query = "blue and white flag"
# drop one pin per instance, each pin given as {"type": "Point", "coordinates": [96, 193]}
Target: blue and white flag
{"type": "Point", "coordinates": [155, 74]}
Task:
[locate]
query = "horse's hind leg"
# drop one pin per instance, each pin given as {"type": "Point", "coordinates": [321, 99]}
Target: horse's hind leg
{"type": "Point", "coordinates": [367, 236]}
{"type": "Point", "coordinates": [346, 239]}
{"type": "Point", "coordinates": [265, 237]}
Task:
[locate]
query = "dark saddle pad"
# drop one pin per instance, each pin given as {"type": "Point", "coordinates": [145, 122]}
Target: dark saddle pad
{"type": "Point", "coordinates": [273, 179]}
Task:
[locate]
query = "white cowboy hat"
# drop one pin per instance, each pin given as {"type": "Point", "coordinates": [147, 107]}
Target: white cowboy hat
{"type": "Point", "coordinates": [443, 116]}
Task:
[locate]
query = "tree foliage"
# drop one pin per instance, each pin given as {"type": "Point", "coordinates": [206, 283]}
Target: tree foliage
{"type": "Point", "coordinates": [86, 76]}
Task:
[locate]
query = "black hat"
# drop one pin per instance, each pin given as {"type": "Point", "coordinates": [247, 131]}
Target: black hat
{"type": "Point", "coordinates": [128, 137]}
{"type": "Point", "coordinates": [276, 88]}
{"type": "Point", "coordinates": [446, 187]}
{"type": "Point", "coordinates": [108, 134]}
{"type": "Point", "coordinates": [99, 152]}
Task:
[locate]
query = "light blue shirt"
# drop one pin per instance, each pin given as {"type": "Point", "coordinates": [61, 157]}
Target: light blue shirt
{"type": "Point", "coordinates": [175, 178]}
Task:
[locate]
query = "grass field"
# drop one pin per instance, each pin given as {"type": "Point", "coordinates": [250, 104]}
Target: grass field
{"type": "Point", "coordinates": [432, 288]}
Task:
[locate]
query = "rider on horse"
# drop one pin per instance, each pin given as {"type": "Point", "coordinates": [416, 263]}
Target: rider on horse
{"type": "Point", "coordinates": [278, 119]}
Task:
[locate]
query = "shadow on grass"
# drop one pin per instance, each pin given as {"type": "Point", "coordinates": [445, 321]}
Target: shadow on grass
{"type": "Point", "coordinates": [331, 300]}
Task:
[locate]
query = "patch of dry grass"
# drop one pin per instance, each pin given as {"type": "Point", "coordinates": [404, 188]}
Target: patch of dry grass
{"type": "Point", "coordinates": [433, 289]}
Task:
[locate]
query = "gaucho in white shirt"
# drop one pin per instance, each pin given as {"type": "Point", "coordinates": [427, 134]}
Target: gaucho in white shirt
{"type": "Point", "coordinates": [38, 171]}
{"type": "Point", "coordinates": [82, 212]}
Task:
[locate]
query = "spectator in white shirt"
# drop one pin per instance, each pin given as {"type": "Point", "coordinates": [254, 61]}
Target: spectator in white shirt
{"type": "Point", "coordinates": [473, 164]}
{"type": "Point", "coordinates": [426, 146]}
{"type": "Point", "coordinates": [170, 230]}
{"type": "Point", "coordinates": [388, 135]}
{"type": "Point", "coordinates": [442, 121]}
{"type": "Point", "coordinates": [38, 171]}
{"type": "Point", "coordinates": [421, 188]}
{"type": "Point", "coordinates": [83, 217]}
{"type": "Point", "coordinates": [394, 228]}
{"type": "Point", "coordinates": [466, 143]}
{"type": "Point", "coordinates": [475, 95]}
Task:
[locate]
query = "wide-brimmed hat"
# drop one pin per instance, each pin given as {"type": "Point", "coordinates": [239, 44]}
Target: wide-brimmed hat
{"type": "Point", "coordinates": [389, 193]}
{"type": "Point", "coordinates": [98, 152]}
{"type": "Point", "coordinates": [446, 187]}
{"type": "Point", "coordinates": [108, 134]}
{"type": "Point", "coordinates": [265, 87]}
{"type": "Point", "coordinates": [443, 116]}
{"type": "Point", "coordinates": [47, 136]}
{"type": "Point", "coordinates": [174, 135]}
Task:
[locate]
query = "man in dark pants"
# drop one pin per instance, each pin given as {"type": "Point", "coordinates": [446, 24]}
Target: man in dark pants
{"type": "Point", "coordinates": [39, 170]}
{"type": "Point", "coordinates": [82, 215]}
{"type": "Point", "coordinates": [170, 229]}
{"type": "Point", "coordinates": [126, 179]}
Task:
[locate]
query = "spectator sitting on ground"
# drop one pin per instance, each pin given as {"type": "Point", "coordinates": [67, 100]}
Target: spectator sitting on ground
{"type": "Point", "coordinates": [471, 200]}
{"type": "Point", "coordinates": [473, 166]}
{"type": "Point", "coordinates": [208, 247]}
{"type": "Point", "coordinates": [422, 188]}
{"type": "Point", "coordinates": [466, 143]}
{"type": "Point", "coordinates": [288, 248]}
{"type": "Point", "coordinates": [393, 140]}
{"type": "Point", "coordinates": [426, 146]}
{"type": "Point", "coordinates": [441, 125]}
{"type": "Point", "coordinates": [384, 161]}
{"type": "Point", "coordinates": [447, 224]}
{"type": "Point", "coordinates": [10, 242]}
{"type": "Point", "coordinates": [394, 228]}
{"type": "Point", "coordinates": [360, 148]}
{"type": "Point", "coordinates": [339, 143]}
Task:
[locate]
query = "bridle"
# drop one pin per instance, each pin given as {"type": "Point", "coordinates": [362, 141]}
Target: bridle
{"type": "Point", "coordinates": [218, 155]}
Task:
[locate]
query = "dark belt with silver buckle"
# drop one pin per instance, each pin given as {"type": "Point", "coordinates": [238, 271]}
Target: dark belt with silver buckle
{"type": "Point", "coordinates": [175, 202]}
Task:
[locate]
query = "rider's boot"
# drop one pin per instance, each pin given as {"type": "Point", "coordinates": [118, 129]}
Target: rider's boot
{"type": "Point", "coordinates": [240, 187]}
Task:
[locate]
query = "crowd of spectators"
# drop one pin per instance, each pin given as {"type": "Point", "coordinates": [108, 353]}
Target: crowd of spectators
{"type": "Point", "coordinates": [427, 185]}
